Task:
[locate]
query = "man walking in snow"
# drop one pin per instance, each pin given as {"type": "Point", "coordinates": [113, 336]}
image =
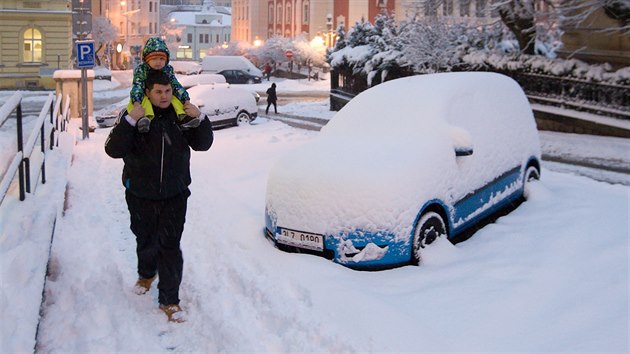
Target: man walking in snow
{"type": "Point", "coordinates": [272, 98]}
{"type": "Point", "coordinates": [156, 176]}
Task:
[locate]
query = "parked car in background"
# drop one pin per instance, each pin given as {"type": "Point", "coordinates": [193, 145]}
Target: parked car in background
{"type": "Point", "coordinates": [406, 164]}
{"type": "Point", "coordinates": [224, 105]}
{"type": "Point", "coordinates": [212, 64]}
{"type": "Point", "coordinates": [240, 77]}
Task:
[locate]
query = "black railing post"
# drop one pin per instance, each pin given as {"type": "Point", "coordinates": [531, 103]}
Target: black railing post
{"type": "Point", "coordinates": [20, 149]}
{"type": "Point", "coordinates": [42, 141]}
{"type": "Point", "coordinates": [52, 124]}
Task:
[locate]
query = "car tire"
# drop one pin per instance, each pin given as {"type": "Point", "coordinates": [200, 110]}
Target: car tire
{"type": "Point", "coordinates": [531, 174]}
{"type": "Point", "coordinates": [430, 227]}
{"type": "Point", "coordinates": [243, 118]}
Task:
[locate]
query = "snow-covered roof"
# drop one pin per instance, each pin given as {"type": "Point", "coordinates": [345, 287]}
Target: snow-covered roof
{"type": "Point", "coordinates": [195, 18]}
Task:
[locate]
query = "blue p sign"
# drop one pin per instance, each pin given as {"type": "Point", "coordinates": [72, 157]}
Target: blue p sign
{"type": "Point", "coordinates": [85, 54]}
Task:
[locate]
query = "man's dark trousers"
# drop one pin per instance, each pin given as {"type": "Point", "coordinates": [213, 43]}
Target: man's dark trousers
{"type": "Point", "coordinates": [158, 226]}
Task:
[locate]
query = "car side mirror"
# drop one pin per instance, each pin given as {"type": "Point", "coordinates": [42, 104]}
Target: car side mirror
{"type": "Point", "coordinates": [462, 141]}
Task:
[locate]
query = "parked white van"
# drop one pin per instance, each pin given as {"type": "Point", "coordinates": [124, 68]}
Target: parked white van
{"type": "Point", "coordinates": [214, 64]}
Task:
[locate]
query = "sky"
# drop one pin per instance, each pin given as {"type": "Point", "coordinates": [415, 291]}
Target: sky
{"type": "Point", "coordinates": [552, 276]}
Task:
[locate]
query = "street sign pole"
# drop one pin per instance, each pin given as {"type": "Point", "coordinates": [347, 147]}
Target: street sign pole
{"type": "Point", "coordinates": [85, 60]}
{"type": "Point", "coordinates": [84, 110]}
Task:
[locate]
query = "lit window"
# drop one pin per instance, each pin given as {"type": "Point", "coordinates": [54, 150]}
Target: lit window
{"type": "Point", "coordinates": [305, 14]}
{"type": "Point", "coordinates": [288, 14]}
{"type": "Point", "coordinates": [32, 46]}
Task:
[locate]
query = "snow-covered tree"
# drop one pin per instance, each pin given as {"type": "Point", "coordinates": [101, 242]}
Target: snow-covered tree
{"type": "Point", "coordinates": [171, 32]}
{"type": "Point", "coordinates": [103, 33]}
{"type": "Point", "coordinates": [430, 45]}
{"type": "Point", "coordinates": [520, 17]}
{"type": "Point", "coordinates": [273, 50]}
{"type": "Point", "coordinates": [387, 49]}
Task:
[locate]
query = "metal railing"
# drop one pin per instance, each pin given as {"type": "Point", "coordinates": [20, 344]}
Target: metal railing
{"type": "Point", "coordinates": [593, 97]}
{"type": "Point", "coordinates": [43, 129]}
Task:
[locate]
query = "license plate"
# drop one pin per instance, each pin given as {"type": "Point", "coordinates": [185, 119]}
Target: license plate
{"type": "Point", "coordinates": [300, 239]}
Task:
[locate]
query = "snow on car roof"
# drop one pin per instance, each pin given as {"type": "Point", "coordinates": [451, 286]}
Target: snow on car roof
{"type": "Point", "coordinates": [200, 79]}
{"type": "Point", "coordinates": [393, 146]}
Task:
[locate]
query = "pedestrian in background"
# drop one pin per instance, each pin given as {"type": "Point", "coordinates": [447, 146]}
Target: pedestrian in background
{"type": "Point", "coordinates": [267, 70]}
{"type": "Point", "coordinates": [272, 98]}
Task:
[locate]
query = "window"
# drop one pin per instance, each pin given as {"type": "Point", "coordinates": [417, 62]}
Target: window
{"type": "Point", "coordinates": [431, 8]}
{"type": "Point", "coordinates": [288, 13]}
{"type": "Point", "coordinates": [206, 38]}
{"type": "Point", "coordinates": [305, 12]}
{"type": "Point", "coordinates": [279, 17]}
{"type": "Point", "coordinates": [464, 8]}
{"type": "Point", "coordinates": [217, 38]}
{"type": "Point", "coordinates": [184, 52]}
{"type": "Point", "coordinates": [447, 7]}
{"type": "Point", "coordinates": [480, 6]}
{"type": "Point", "coordinates": [150, 9]}
{"type": "Point", "coordinates": [189, 37]}
{"type": "Point", "coordinates": [200, 37]}
{"type": "Point", "coordinates": [270, 19]}
{"type": "Point", "coordinates": [32, 46]}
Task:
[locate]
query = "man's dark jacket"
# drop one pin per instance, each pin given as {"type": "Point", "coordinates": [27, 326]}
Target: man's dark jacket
{"type": "Point", "coordinates": [157, 163]}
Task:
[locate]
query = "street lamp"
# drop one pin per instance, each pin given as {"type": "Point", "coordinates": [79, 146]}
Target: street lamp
{"type": "Point", "coordinates": [257, 42]}
{"type": "Point", "coordinates": [329, 33]}
{"type": "Point", "coordinates": [126, 14]}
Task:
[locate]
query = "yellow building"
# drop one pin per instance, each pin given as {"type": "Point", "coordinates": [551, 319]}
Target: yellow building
{"type": "Point", "coordinates": [35, 40]}
{"type": "Point", "coordinates": [593, 41]}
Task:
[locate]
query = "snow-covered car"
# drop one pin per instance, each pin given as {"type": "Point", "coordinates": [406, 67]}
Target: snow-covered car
{"type": "Point", "coordinates": [225, 105]}
{"type": "Point", "coordinates": [403, 164]}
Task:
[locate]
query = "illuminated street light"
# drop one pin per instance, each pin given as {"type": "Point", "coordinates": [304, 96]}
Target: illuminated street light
{"type": "Point", "coordinates": [257, 42]}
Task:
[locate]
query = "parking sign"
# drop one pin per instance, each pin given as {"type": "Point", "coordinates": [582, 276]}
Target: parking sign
{"type": "Point", "coordinates": [85, 54]}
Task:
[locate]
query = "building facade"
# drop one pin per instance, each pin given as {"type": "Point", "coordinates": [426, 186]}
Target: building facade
{"type": "Point", "coordinates": [198, 32]}
{"type": "Point", "coordinates": [135, 21]}
{"type": "Point", "coordinates": [35, 40]}
{"type": "Point", "coordinates": [592, 40]}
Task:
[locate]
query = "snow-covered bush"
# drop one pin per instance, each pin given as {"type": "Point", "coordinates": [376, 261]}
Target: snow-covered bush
{"type": "Point", "coordinates": [425, 45]}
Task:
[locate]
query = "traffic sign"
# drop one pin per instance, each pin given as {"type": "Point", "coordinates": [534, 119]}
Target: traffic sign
{"type": "Point", "coordinates": [85, 54]}
{"type": "Point", "coordinates": [289, 54]}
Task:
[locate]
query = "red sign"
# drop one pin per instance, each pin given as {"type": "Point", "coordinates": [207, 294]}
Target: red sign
{"type": "Point", "coordinates": [289, 54]}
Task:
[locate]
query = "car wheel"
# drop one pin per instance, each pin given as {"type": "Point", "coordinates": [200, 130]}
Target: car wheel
{"type": "Point", "coordinates": [250, 81]}
{"type": "Point", "coordinates": [531, 174]}
{"type": "Point", "coordinates": [430, 227]}
{"type": "Point", "coordinates": [243, 118]}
